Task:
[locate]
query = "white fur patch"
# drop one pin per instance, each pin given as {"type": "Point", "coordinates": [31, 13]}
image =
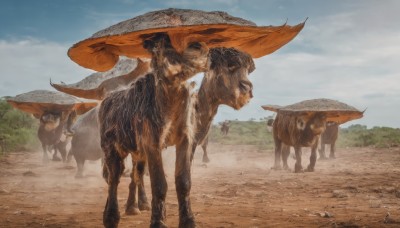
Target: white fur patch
{"type": "Point", "coordinates": [300, 124]}
{"type": "Point", "coordinates": [52, 126]}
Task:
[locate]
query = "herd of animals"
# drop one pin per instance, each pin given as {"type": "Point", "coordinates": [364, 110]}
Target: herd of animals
{"type": "Point", "coordinates": [153, 106]}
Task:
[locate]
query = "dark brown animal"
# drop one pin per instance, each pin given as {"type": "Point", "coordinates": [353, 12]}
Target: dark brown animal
{"type": "Point", "coordinates": [225, 128]}
{"type": "Point", "coordinates": [298, 131]}
{"type": "Point", "coordinates": [223, 83]}
{"type": "Point", "coordinates": [142, 120]}
{"type": "Point", "coordinates": [50, 133]}
{"type": "Point", "coordinates": [329, 136]}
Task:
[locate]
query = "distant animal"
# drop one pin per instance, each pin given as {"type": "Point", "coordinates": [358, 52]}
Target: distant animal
{"type": "Point", "coordinates": [270, 123]}
{"type": "Point", "coordinates": [50, 133]}
{"type": "Point", "coordinates": [85, 144]}
{"type": "Point", "coordinates": [225, 127]}
{"type": "Point", "coordinates": [329, 136]}
{"type": "Point", "coordinates": [298, 131]}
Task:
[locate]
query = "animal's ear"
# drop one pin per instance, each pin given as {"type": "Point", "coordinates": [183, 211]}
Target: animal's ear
{"type": "Point", "coordinates": [300, 123]}
{"type": "Point", "coordinates": [232, 67]}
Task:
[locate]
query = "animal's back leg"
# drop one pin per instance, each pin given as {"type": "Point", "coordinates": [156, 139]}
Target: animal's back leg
{"type": "Point", "coordinates": [205, 153]}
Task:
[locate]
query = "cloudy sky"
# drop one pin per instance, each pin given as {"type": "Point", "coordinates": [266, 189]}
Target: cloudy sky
{"type": "Point", "coordinates": [348, 50]}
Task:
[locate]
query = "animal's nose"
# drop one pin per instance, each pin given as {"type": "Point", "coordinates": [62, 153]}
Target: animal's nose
{"type": "Point", "coordinates": [246, 86]}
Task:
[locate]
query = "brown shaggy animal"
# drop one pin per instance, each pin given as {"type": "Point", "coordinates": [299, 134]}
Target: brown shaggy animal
{"type": "Point", "coordinates": [223, 83]}
{"type": "Point", "coordinates": [298, 131]}
{"type": "Point", "coordinates": [52, 133]}
{"type": "Point", "coordinates": [329, 136]}
{"type": "Point", "coordinates": [144, 119]}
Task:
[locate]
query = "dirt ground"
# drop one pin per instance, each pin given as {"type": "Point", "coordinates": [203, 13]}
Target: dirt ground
{"type": "Point", "coordinates": [361, 188]}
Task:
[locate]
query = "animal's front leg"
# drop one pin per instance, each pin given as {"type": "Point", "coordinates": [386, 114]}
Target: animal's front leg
{"type": "Point", "coordinates": [285, 155]}
{"type": "Point", "coordinates": [45, 156]}
{"type": "Point", "coordinates": [205, 154]}
{"type": "Point", "coordinates": [313, 158]}
{"type": "Point", "coordinates": [183, 183]}
{"type": "Point", "coordinates": [332, 153]}
{"type": "Point", "coordinates": [298, 168]}
{"type": "Point", "coordinates": [131, 204]}
{"type": "Point", "coordinates": [112, 170]}
{"type": "Point", "coordinates": [322, 152]}
{"type": "Point", "coordinates": [142, 197]}
{"type": "Point", "coordinates": [159, 187]}
{"type": "Point", "coordinates": [278, 152]}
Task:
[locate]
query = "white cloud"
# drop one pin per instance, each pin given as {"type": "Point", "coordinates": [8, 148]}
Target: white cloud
{"type": "Point", "coordinates": [29, 64]}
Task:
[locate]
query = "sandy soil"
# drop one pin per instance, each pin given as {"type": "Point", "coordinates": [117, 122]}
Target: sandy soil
{"type": "Point", "coordinates": [361, 188]}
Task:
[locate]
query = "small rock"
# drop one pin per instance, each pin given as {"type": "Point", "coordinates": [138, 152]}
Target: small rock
{"type": "Point", "coordinates": [339, 194]}
{"type": "Point", "coordinates": [29, 174]}
{"type": "Point", "coordinates": [325, 214]}
{"type": "Point", "coordinates": [3, 191]}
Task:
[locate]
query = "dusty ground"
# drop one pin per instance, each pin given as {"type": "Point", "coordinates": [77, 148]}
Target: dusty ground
{"type": "Point", "coordinates": [361, 188]}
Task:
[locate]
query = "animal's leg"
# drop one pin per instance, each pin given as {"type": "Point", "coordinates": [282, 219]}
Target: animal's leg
{"type": "Point", "coordinates": [322, 152]}
{"type": "Point", "coordinates": [313, 158]}
{"type": "Point", "coordinates": [159, 186]}
{"type": "Point", "coordinates": [278, 151]}
{"type": "Point", "coordinates": [55, 157]}
{"type": "Point", "coordinates": [45, 156]}
{"type": "Point", "coordinates": [69, 156]}
{"type": "Point", "coordinates": [183, 183]}
{"type": "Point", "coordinates": [115, 167]}
{"type": "Point", "coordinates": [285, 155]}
{"type": "Point", "coordinates": [80, 162]}
{"type": "Point", "coordinates": [332, 152]}
{"type": "Point", "coordinates": [131, 204]}
{"type": "Point", "coordinates": [63, 152]}
{"type": "Point", "coordinates": [205, 154]}
{"type": "Point", "coordinates": [142, 197]}
{"type": "Point", "coordinates": [297, 167]}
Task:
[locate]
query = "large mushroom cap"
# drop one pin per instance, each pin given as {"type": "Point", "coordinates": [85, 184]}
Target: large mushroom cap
{"type": "Point", "coordinates": [336, 111]}
{"type": "Point", "coordinates": [217, 29]}
{"type": "Point", "coordinates": [99, 84]}
{"type": "Point", "coordinates": [38, 102]}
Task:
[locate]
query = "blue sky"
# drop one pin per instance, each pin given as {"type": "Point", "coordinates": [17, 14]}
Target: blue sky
{"type": "Point", "coordinates": [348, 50]}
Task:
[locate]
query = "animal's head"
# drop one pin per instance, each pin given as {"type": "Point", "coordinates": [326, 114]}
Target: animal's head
{"type": "Point", "coordinates": [172, 65]}
{"type": "Point", "coordinates": [316, 122]}
{"type": "Point", "coordinates": [50, 120]}
{"type": "Point", "coordinates": [227, 76]}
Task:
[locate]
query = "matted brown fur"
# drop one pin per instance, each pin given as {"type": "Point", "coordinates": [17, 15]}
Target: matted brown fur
{"type": "Point", "coordinates": [329, 136]}
{"type": "Point", "coordinates": [298, 131]}
{"type": "Point", "coordinates": [142, 120]}
{"type": "Point", "coordinates": [231, 75]}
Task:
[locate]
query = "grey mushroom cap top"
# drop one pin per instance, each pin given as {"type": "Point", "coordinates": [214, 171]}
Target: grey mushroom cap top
{"type": "Point", "coordinates": [99, 84]}
{"type": "Point", "coordinates": [100, 52]}
{"type": "Point", "coordinates": [38, 102]}
{"type": "Point", "coordinates": [335, 111]}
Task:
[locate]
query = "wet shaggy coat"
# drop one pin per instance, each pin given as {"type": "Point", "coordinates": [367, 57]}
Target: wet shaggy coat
{"type": "Point", "coordinates": [329, 136]}
{"type": "Point", "coordinates": [235, 90]}
{"type": "Point", "coordinates": [298, 131]}
{"type": "Point", "coordinates": [144, 119]}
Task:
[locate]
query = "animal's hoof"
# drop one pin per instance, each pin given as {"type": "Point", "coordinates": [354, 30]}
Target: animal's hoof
{"type": "Point", "coordinates": [132, 211]}
{"type": "Point", "coordinates": [144, 206]}
{"type": "Point", "coordinates": [298, 169]}
{"type": "Point", "coordinates": [111, 221]}
{"type": "Point", "coordinates": [190, 223]}
{"type": "Point", "coordinates": [310, 169]}
{"type": "Point", "coordinates": [276, 167]}
{"type": "Point", "coordinates": [158, 224]}
{"type": "Point", "coordinates": [206, 160]}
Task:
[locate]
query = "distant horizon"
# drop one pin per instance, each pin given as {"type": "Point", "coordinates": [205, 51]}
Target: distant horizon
{"type": "Point", "coordinates": [348, 50]}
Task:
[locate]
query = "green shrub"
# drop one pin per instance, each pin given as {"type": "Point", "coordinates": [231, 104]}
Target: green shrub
{"type": "Point", "coordinates": [17, 129]}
